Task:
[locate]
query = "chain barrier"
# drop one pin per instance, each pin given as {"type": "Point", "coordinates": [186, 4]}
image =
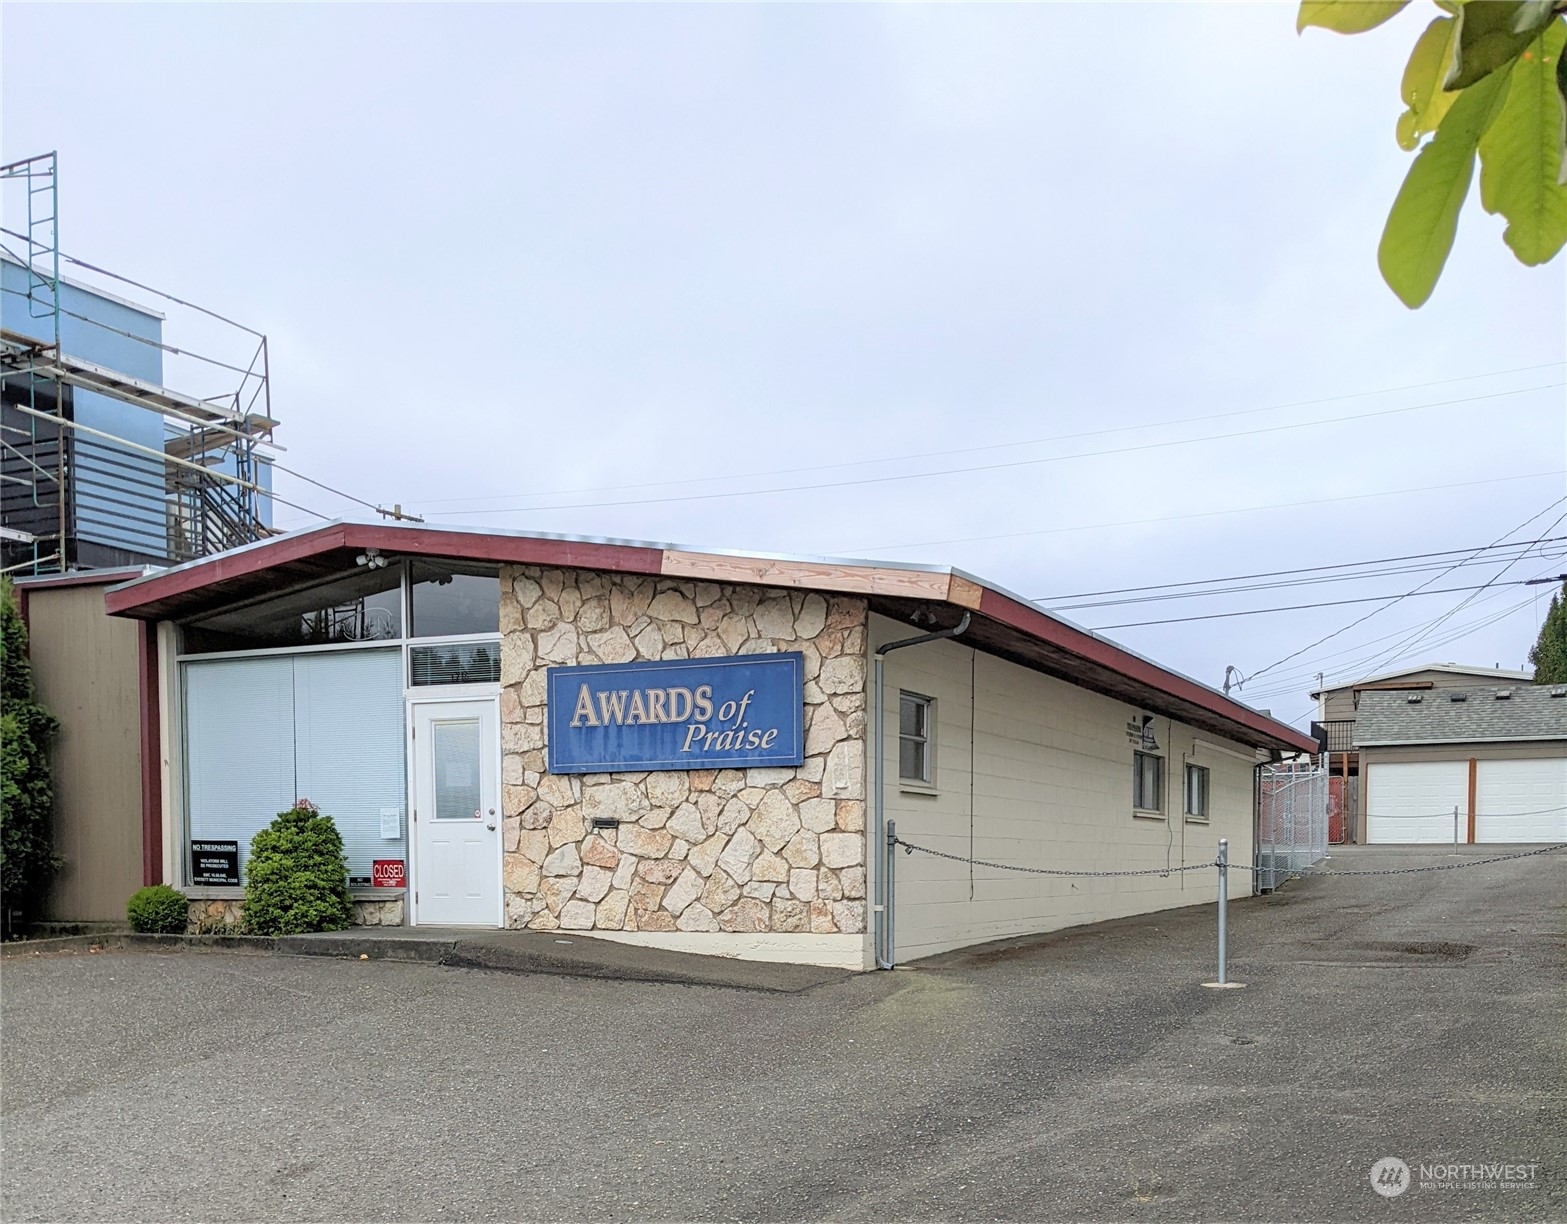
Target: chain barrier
{"type": "Point", "coordinates": [1221, 864]}
{"type": "Point", "coordinates": [911, 848]}
{"type": "Point", "coordinates": [1387, 871]}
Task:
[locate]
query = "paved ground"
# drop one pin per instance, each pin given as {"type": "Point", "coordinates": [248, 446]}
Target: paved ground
{"type": "Point", "coordinates": [1086, 1076]}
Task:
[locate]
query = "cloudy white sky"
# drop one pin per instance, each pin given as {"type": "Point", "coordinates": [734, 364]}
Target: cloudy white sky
{"type": "Point", "coordinates": [614, 270]}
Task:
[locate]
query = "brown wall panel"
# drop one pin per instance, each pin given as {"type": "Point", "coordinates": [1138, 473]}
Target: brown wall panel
{"type": "Point", "coordinates": [85, 664]}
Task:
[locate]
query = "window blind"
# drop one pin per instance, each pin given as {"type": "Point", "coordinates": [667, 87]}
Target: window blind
{"type": "Point", "coordinates": [260, 733]}
{"type": "Point", "coordinates": [239, 747]}
{"type": "Point", "coordinates": [348, 747]}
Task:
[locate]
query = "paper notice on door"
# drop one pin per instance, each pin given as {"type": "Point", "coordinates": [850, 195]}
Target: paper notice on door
{"type": "Point", "coordinates": [391, 822]}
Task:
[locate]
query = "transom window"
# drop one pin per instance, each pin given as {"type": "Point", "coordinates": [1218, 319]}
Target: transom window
{"type": "Point", "coordinates": [915, 763]}
{"type": "Point", "coordinates": [1147, 782]}
{"type": "Point", "coordinates": [1197, 792]}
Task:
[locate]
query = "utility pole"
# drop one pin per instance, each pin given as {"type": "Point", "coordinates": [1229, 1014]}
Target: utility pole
{"type": "Point", "coordinates": [396, 512]}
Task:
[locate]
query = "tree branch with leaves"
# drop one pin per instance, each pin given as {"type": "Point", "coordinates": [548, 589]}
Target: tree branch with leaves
{"type": "Point", "coordinates": [1485, 81]}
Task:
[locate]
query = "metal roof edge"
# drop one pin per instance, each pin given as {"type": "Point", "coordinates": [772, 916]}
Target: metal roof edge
{"type": "Point", "coordinates": [1285, 734]}
{"type": "Point", "coordinates": [105, 294]}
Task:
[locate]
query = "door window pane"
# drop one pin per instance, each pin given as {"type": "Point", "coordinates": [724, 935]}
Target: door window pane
{"type": "Point", "coordinates": [455, 753]}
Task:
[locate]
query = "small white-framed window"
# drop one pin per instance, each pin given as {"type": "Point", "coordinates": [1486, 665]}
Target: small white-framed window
{"type": "Point", "coordinates": [916, 758]}
{"type": "Point", "coordinates": [1197, 785]}
{"type": "Point", "coordinates": [1147, 782]}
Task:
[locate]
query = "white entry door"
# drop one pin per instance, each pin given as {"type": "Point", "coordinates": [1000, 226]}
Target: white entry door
{"type": "Point", "coordinates": [456, 814]}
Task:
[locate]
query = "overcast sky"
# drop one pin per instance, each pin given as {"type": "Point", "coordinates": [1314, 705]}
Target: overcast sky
{"type": "Point", "coordinates": [610, 270]}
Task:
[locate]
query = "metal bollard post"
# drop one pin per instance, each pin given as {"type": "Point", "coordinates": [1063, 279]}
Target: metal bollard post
{"type": "Point", "coordinates": [1224, 904]}
{"type": "Point", "coordinates": [1224, 982]}
{"type": "Point", "coordinates": [1455, 826]}
{"type": "Point", "coordinates": [892, 892]}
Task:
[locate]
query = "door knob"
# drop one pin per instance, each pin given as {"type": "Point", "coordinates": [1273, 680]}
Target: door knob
{"type": "Point", "coordinates": [490, 826]}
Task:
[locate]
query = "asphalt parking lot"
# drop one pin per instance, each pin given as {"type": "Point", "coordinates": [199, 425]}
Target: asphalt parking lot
{"type": "Point", "coordinates": [1082, 1076]}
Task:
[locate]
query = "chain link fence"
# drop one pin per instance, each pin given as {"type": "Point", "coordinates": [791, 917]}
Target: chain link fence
{"type": "Point", "coordinates": [1292, 822]}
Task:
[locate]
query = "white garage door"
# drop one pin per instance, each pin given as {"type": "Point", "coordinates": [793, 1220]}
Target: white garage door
{"type": "Point", "coordinates": [1521, 801]}
{"type": "Point", "coordinates": [1413, 802]}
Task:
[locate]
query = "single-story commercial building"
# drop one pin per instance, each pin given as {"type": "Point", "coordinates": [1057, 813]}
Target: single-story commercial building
{"type": "Point", "coordinates": [1483, 763]}
{"type": "Point", "coordinates": [676, 748]}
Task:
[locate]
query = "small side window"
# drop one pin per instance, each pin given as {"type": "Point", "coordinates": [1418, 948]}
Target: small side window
{"type": "Point", "coordinates": [1147, 782]}
{"type": "Point", "coordinates": [1197, 792]}
{"type": "Point", "coordinates": [915, 763]}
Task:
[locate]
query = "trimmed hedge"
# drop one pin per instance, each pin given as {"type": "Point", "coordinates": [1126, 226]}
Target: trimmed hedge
{"type": "Point", "coordinates": [158, 910]}
{"type": "Point", "coordinates": [296, 879]}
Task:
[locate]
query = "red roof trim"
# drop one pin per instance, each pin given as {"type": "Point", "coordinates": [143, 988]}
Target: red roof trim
{"type": "Point", "coordinates": [637, 559]}
{"type": "Point", "coordinates": [1036, 624]}
{"type": "Point", "coordinates": [518, 550]}
{"type": "Point", "coordinates": [464, 545]}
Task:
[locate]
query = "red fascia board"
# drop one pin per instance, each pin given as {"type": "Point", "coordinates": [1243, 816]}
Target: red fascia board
{"type": "Point", "coordinates": [459, 545]}
{"type": "Point", "coordinates": [222, 568]}
{"type": "Point", "coordinates": [515, 550]}
{"type": "Point", "coordinates": [1036, 624]}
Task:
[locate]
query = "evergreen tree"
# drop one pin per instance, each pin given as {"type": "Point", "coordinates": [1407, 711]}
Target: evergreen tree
{"type": "Point", "coordinates": [27, 860]}
{"type": "Point", "coordinates": [1549, 654]}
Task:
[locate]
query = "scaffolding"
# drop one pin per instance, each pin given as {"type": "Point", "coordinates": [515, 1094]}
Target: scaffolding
{"type": "Point", "coordinates": [67, 487]}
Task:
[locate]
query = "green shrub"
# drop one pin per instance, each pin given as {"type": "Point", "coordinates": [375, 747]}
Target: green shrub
{"type": "Point", "coordinates": [27, 860]}
{"type": "Point", "coordinates": [158, 910]}
{"type": "Point", "coordinates": [296, 879]}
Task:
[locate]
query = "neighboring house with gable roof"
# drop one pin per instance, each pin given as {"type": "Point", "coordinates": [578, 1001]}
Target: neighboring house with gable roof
{"type": "Point", "coordinates": [1334, 727]}
{"type": "Point", "coordinates": [1480, 763]}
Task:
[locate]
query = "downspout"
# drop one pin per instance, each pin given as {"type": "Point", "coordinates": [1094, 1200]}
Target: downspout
{"type": "Point", "coordinates": [878, 807]}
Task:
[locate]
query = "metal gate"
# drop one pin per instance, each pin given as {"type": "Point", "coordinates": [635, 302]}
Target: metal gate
{"type": "Point", "coordinates": [1292, 822]}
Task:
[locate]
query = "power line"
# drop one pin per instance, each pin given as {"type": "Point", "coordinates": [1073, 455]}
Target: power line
{"type": "Point", "coordinates": [1416, 638]}
{"type": "Point", "coordinates": [966, 450]}
{"type": "Point", "coordinates": [993, 467]}
{"type": "Point", "coordinates": [1385, 571]}
{"type": "Point", "coordinates": [1332, 603]}
{"type": "Point", "coordinates": [1310, 569]}
{"type": "Point", "coordinates": [1396, 599]}
{"type": "Point", "coordinates": [1173, 518]}
{"type": "Point", "coordinates": [1287, 681]}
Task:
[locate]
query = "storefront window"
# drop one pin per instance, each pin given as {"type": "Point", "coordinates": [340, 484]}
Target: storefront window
{"type": "Point", "coordinates": [451, 601]}
{"type": "Point", "coordinates": [325, 726]}
{"type": "Point", "coordinates": [363, 607]}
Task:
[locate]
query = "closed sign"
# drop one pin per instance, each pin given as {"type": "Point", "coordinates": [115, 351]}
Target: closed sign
{"type": "Point", "coordinates": [388, 873]}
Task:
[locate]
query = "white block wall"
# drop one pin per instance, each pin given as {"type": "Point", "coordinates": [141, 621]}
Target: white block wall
{"type": "Point", "coordinates": [1050, 785]}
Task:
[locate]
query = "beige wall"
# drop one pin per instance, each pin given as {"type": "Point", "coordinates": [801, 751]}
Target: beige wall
{"type": "Point", "coordinates": [85, 664]}
{"type": "Point", "coordinates": [1051, 785]}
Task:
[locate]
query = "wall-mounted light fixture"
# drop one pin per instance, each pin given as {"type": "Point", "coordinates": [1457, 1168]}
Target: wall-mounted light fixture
{"type": "Point", "coordinates": [371, 557]}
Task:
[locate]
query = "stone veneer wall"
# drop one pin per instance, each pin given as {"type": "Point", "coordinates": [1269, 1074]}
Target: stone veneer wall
{"type": "Point", "coordinates": [775, 850]}
{"type": "Point", "coordinates": [207, 913]}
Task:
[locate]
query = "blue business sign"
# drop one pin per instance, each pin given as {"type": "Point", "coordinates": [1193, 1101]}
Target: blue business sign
{"type": "Point", "coordinates": [729, 713]}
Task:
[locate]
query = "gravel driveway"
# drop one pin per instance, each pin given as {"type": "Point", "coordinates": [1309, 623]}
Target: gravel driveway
{"type": "Point", "coordinates": [1082, 1076]}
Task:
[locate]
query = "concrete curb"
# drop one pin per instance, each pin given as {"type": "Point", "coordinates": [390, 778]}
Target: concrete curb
{"type": "Point", "coordinates": [515, 952]}
{"type": "Point", "coordinates": [344, 944]}
{"type": "Point", "coordinates": [122, 940]}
